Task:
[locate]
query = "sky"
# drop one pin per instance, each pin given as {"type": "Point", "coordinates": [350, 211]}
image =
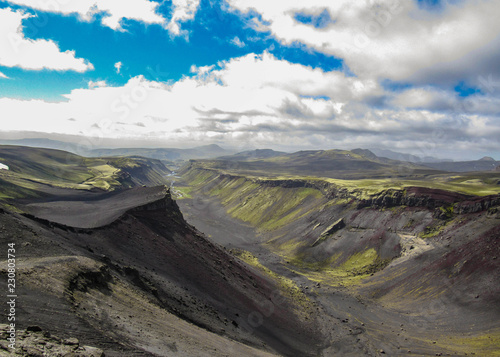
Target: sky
{"type": "Point", "coordinates": [419, 77]}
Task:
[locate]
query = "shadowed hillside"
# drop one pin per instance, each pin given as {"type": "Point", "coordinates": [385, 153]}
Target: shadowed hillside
{"type": "Point", "coordinates": [37, 172]}
{"type": "Point", "coordinates": [122, 271]}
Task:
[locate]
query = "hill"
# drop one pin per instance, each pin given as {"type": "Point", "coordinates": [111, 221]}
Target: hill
{"type": "Point", "coordinates": [37, 172]}
{"type": "Point", "coordinates": [484, 164]}
{"type": "Point", "coordinates": [118, 268]}
{"type": "Point", "coordinates": [252, 155]}
{"type": "Point", "coordinates": [353, 164]}
{"type": "Point", "coordinates": [169, 154]}
{"type": "Point", "coordinates": [42, 143]}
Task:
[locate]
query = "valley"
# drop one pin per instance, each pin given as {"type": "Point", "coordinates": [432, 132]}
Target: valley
{"type": "Point", "coordinates": [407, 263]}
{"type": "Point", "coordinates": [326, 253]}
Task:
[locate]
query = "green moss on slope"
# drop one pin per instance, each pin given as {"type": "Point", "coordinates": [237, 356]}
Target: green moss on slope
{"type": "Point", "coordinates": [356, 268]}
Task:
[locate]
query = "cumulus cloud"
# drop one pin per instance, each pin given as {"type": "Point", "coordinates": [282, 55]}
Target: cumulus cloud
{"type": "Point", "coordinates": [387, 38]}
{"type": "Point", "coordinates": [183, 10]}
{"type": "Point", "coordinates": [18, 51]}
{"type": "Point", "coordinates": [118, 67]}
{"type": "Point", "coordinates": [115, 11]}
{"type": "Point", "coordinates": [97, 84]}
{"type": "Point", "coordinates": [263, 101]}
{"type": "Point", "coordinates": [237, 42]}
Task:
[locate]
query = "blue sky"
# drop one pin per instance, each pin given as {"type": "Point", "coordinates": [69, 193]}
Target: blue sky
{"type": "Point", "coordinates": [283, 74]}
{"type": "Point", "coordinates": [147, 50]}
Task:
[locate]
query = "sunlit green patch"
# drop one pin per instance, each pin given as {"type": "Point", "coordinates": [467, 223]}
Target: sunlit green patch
{"type": "Point", "coordinates": [288, 248]}
{"type": "Point", "coordinates": [352, 272]}
{"type": "Point", "coordinates": [180, 193]}
{"type": "Point", "coordinates": [264, 206]}
{"type": "Point", "coordinates": [436, 228]}
{"type": "Point", "coordinates": [33, 169]}
{"type": "Point", "coordinates": [484, 344]}
{"type": "Point", "coordinates": [103, 177]}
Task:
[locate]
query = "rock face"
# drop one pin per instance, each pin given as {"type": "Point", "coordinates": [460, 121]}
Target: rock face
{"type": "Point", "coordinates": [412, 196]}
{"type": "Point", "coordinates": [35, 342]}
{"type": "Point", "coordinates": [334, 227]}
{"type": "Point", "coordinates": [431, 199]}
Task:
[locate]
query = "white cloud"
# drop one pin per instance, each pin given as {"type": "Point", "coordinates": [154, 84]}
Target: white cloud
{"type": "Point", "coordinates": [262, 101]}
{"type": "Point", "coordinates": [144, 11]}
{"type": "Point", "coordinates": [116, 10]}
{"type": "Point", "coordinates": [425, 98]}
{"type": "Point", "coordinates": [387, 38]}
{"type": "Point", "coordinates": [97, 84]}
{"type": "Point", "coordinates": [261, 71]}
{"type": "Point", "coordinates": [237, 42]}
{"type": "Point", "coordinates": [118, 67]}
{"type": "Point", "coordinates": [183, 10]}
{"type": "Point", "coordinates": [252, 90]}
{"type": "Point", "coordinates": [438, 100]}
{"type": "Point", "coordinates": [18, 51]}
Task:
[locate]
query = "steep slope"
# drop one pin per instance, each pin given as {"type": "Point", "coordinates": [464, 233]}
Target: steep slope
{"type": "Point", "coordinates": [35, 172]}
{"type": "Point", "coordinates": [400, 246]}
{"type": "Point", "coordinates": [148, 283]}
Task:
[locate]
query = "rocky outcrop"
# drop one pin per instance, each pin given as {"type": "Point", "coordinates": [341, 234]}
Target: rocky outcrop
{"type": "Point", "coordinates": [35, 342]}
{"type": "Point", "coordinates": [164, 203]}
{"type": "Point", "coordinates": [413, 197]}
{"type": "Point", "coordinates": [431, 199]}
{"type": "Point", "coordinates": [478, 204]}
{"type": "Point", "coordinates": [334, 227]}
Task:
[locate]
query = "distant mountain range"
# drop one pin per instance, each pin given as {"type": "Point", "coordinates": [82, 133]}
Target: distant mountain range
{"type": "Point", "coordinates": [354, 164]}
{"type": "Point", "coordinates": [42, 143]}
{"type": "Point", "coordinates": [253, 155]}
{"type": "Point", "coordinates": [484, 164]}
{"type": "Point", "coordinates": [169, 154]}
{"type": "Point", "coordinates": [379, 156]}
{"type": "Point", "coordinates": [394, 155]}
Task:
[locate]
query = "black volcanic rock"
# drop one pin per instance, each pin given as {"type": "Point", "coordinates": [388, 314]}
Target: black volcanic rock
{"type": "Point", "coordinates": [431, 199]}
{"type": "Point", "coordinates": [149, 246]}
